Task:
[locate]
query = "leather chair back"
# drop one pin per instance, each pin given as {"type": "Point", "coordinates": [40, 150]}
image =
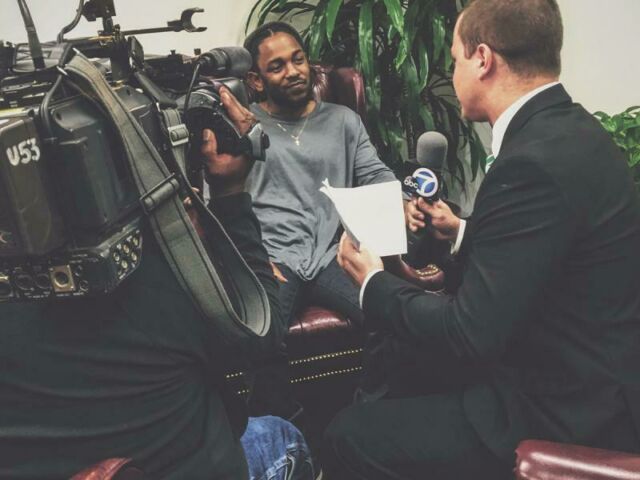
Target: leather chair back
{"type": "Point", "coordinates": [343, 85]}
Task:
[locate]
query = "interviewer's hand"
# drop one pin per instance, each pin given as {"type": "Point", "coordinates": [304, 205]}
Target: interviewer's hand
{"type": "Point", "coordinates": [442, 221]}
{"type": "Point", "coordinates": [413, 217]}
{"type": "Point", "coordinates": [227, 173]}
{"type": "Point", "coordinates": [357, 263]}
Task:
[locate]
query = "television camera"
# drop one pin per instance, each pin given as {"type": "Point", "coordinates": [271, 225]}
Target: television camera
{"type": "Point", "coordinates": [70, 208]}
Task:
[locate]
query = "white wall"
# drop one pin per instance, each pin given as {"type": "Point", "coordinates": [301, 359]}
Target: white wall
{"type": "Point", "coordinates": [224, 19]}
{"type": "Point", "coordinates": [601, 55]}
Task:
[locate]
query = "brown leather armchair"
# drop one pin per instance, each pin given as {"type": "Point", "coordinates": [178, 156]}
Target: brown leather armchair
{"type": "Point", "coordinates": [542, 460]}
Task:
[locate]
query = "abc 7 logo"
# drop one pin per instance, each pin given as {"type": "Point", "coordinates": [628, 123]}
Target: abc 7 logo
{"type": "Point", "coordinates": [426, 182]}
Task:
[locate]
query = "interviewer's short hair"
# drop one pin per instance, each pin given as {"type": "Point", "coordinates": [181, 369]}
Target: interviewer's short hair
{"type": "Point", "coordinates": [526, 33]}
{"type": "Point", "coordinates": [255, 38]}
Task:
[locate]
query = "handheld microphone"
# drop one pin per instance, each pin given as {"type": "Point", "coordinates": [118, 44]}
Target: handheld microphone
{"type": "Point", "coordinates": [431, 152]}
{"type": "Point", "coordinates": [225, 62]}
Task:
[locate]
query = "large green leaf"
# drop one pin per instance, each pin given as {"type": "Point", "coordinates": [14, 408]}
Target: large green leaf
{"type": "Point", "coordinates": [439, 33]}
{"type": "Point", "coordinates": [317, 31]}
{"type": "Point", "coordinates": [394, 10]}
{"type": "Point", "coordinates": [332, 13]}
{"type": "Point", "coordinates": [254, 9]}
{"type": "Point", "coordinates": [292, 10]}
{"type": "Point", "coordinates": [266, 10]}
{"type": "Point", "coordinates": [401, 57]}
{"type": "Point", "coordinates": [423, 65]}
{"type": "Point", "coordinates": [365, 41]}
{"type": "Point", "coordinates": [410, 74]}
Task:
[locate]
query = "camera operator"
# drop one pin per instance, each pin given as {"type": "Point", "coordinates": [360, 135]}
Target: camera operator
{"type": "Point", "coordinates": [139, 373]}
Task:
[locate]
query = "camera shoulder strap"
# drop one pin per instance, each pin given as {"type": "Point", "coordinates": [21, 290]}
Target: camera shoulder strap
{"type": "Point", "coordinates": [237, 309]}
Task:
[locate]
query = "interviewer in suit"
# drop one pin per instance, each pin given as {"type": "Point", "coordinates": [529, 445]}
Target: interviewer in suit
{"type": "Point", "coordinates": [548, 313]}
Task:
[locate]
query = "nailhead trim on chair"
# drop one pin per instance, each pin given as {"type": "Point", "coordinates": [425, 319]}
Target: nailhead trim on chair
{"type": "Point", "coordinates": [326, 356]}
{"type": "Point", "coordinates": [326, 374]}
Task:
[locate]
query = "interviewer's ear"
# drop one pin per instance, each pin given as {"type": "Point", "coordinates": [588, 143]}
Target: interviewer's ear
{"type": "Point", "coordinates": [485, 58]}
{"type": "Point", "coordinates": [255, 82]}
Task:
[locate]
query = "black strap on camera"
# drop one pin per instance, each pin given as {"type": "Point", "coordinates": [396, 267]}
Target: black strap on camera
{"type": "Point", "coordinates": [188, 258]}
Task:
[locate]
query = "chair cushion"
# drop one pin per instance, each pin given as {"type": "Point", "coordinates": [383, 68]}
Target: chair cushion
{"type": "Point", "coordinates": [322, 341]}
{"type": "Point", "coordinates": [541, 460]}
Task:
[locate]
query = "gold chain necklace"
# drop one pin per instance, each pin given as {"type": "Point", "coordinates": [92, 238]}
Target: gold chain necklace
{"type": "Point", "coordinates": [296, 137]}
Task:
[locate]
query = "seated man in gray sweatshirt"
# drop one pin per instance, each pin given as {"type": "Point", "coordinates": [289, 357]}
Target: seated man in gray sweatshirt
{"type": "Point", "coordinates": [310, 141]}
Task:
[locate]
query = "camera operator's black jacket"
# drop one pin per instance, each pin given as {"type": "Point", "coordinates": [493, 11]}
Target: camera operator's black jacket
{"type": "Point", "coordinates": [136, 374]}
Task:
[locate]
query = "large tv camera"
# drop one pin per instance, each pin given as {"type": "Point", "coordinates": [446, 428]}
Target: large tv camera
{"type": "Point", "coordinates": [70, 212]}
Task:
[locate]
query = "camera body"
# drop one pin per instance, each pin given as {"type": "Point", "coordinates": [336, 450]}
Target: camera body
{"type": "Point", "coordinates": [70, 213]}
{"type": "Point", "coordinates": [70, 221]}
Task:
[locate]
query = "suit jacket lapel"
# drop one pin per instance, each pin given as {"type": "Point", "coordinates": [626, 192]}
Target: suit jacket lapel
{"type": "Point", "coordinates": [551, 97]}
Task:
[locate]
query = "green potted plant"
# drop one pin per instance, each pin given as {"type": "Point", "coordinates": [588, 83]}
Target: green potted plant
{"type": "Point", "coordinates": [402, 47]}
{"type": "Point", "coordinates": [625, 129]}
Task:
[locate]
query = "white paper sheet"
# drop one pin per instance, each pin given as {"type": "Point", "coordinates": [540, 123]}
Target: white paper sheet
{"type": "Point", "coordinates": [372, 215]}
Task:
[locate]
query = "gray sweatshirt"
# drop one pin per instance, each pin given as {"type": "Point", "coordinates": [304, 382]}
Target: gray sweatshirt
{"type": "Point", "coordinates": [298, 222]}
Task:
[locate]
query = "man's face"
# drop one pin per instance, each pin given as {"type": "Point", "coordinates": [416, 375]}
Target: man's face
{"type": "Point", "coordinates": [284, 71]}
{"type": "Point", "coordinates": [466, 81]}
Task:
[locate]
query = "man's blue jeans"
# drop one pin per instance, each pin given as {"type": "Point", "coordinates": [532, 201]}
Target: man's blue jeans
{"type": "Point", "coordinates": [276, 450]}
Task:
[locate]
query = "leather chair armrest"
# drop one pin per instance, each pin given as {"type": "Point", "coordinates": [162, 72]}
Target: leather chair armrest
{"type": "Point", "coordinates": [542, 460]}
{"type": "Point", "coordinates": [429, 278]}
{"type": "Point", "coordinates": [111, 469]}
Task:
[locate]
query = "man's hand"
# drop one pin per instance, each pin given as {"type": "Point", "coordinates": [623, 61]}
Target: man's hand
{"type": "Point", "coordinates": [413, 217]}
{"type": "Point", "coordinates": [226, 173]}
{"type": "Point", "coordinates": [443, 223]}
{"type": "Point", "coordinates": [357, 263]}
{"type": "Point", "coordinates": [277, 273]}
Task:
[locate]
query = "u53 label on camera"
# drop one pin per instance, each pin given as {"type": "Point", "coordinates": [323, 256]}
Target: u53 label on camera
{"type": "Point", "coordinates": [24, 152]}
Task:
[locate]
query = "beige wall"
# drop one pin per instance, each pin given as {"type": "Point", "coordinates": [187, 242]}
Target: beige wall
{"type": "Point", "coordinates": [601, 54]}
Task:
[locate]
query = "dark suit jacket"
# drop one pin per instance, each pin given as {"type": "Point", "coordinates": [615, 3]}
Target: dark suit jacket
{"type": "Point", "coordinates": [136, 374]}
{"type": "Point", "coordinates": [549, 304]}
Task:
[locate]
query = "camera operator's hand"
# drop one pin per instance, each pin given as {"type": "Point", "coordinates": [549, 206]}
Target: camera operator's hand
{"type": "Point", "coordinates": [442, 222]}
{"type": "Point", "coordinates": [227, 173]}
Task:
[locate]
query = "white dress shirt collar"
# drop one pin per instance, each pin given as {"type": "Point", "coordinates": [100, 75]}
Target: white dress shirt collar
{"type": "Point", "coordinates": [503, 121]}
